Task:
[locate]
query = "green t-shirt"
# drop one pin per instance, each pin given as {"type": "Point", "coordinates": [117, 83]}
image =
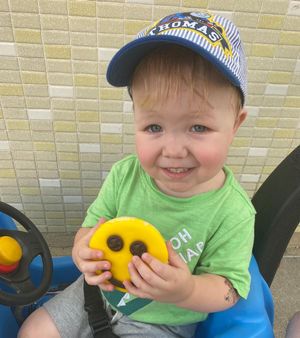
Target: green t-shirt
{"type": "Point", "coordinates": [212, 232]}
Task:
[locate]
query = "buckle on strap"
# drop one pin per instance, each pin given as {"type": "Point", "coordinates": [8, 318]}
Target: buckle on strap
{"type": "Point", "coordinates": [100, 325]}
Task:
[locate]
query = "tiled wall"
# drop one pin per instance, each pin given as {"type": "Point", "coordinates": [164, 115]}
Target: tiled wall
{"type": "Point", "coordinates": [62, 126]}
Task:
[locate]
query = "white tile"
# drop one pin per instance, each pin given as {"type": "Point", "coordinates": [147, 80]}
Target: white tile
{"type": "Point", "coordinates": [294, 8]}
{"type": "Point", "coordinates": [61, 91]}
{"type": "Point", "coordinates": [72, 199]}
{"type": "Point", "coordinates": [127, 107]}
{"type": "Point", "coordinates": [297, 67]}
{"type": "Point", "coordinates": [104, 174]}
{"type": "Point", "coordinates": [249, 178]}
{"type": "Point", "coordinates": [258, 152]}
{"type": "Point", "coordinates": [276, 89]}
{"type": "Point", "coordinates": [18, 206]}
{"type": "Point", "coordinates": [252, 111]}
{"type": "Point", "coordinates": [111, 128]}
{"type": "Point", "coordinates": [89, 148]}
{"type": "Point", "coordinates": [105, 54]}
{"type": "Point", "coordinates": [7, 49]}
{"type": "Point", "coordinates": [39, 114]}
{"type": "Point", "coordinates": [4, 145]}
{"type": "Point", "coordinates": [44, 182]}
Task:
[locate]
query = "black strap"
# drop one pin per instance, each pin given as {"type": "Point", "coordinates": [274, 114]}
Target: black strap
{"type": "Point", "coordinates": [97, 315]}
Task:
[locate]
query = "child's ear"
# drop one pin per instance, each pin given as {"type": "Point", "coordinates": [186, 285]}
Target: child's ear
{"type": "Point", "coordinates": [239, 119]}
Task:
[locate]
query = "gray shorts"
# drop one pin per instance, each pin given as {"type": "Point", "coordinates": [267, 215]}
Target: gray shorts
{"type": "Point", "coordinates": [67, 311]}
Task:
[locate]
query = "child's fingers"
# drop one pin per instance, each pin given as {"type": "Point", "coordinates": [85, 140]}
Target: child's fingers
{"type": "Point", "coordinates": [101, 280]}
{"type": "Point", "coordinates": [160, 269]}
{"type": "Point", "coordinates": [93, 266]}
{"type": "Point", "coordinates": [174, 258]}
{"type": "Point", "coordinates": [142, 275]}
{"type": "Point", "coordinates": [87, 253]}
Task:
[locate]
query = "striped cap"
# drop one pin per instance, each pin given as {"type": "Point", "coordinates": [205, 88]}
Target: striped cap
{"type": "Point", "coordinates": [214, 37]}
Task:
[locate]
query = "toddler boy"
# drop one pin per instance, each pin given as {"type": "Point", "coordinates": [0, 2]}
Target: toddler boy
{"type": "Point", "coordinates": [186, 75]}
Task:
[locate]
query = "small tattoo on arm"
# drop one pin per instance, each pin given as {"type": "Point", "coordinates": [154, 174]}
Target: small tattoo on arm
{"type": "Point", "coordinates": [232, 295]}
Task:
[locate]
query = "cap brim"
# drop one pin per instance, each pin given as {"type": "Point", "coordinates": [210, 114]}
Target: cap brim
{"type": "Point", "coordinates": [122, 65]}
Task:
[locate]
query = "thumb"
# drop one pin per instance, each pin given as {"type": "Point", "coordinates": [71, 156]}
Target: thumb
{"type": "Point", "coordinates": [174, 258]}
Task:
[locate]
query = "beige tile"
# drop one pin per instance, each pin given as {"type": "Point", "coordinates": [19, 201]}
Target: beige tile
{"type": "Point", "coordinates": [274, 6]}
{"type": "Point", "coordinates": [56, 38]}
{"type": "Point", "coordinates": [24, 6]}
{"type": "Point", "coordinates": [111, 26]}
{"type": "Point", "coordinates": [60, 79]}
{"type": "Point", "coordinates": [270, 21]}
{"type": "Point", "coordinates": [23, 20]}
{"type": "Point", "coordinates": [82, 8]}
{"type": "Point", "coordinates": [35, 90]}
{"type": "Point", "coordinates": [4, 5]}
{"type": "Point", "coordinates": [137, 12]}
{"type": "Point", "coordinates": [34, 78]}
{"type": "Point", "coordinates": [58, 52]}
{"type": "Point", "coordinates": [84, 53]}
{"type": "Point", "coordinates": [29, 50]}
{"type": "Point", "coordinates": [54, 22]}
{"type": "Point", "coordinates": [53, 7]}
{"type": "Point", "coordinates": [78, 24]}
{"type": "Point", "coordinates": [28, 36]}
{"type": "Point", "coordinates": [9, 63]}
{"type": "Point", "coordinates": [59, 66]}
{"type": "Point", "coordinates": [8, 76]}
{"type": "Point", "coordinates": [32, 64]}
{"type": "Point", "coordinates": [83, 39]}
{"type": "Point", "coordinates": [110, 10]}
{"type": "Point", "coordinates": [195, 3]}
{"type": "Point", "coordinates": [131, 27]}
{"type": "Point", "coordinates": [11, 90]}
{"type": "Point", "coordinates": [290, 38]}
{"type": "Point", "coordinates": [221, 5]}
{"type": "Point", "coordinates": [87, 92]}
{"type": "Point", "coordinates": [86, 80]}
{"type": "Point", "coordinates": [6, 34]}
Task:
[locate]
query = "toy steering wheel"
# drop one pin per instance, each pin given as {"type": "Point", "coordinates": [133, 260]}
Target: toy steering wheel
{"type": "Point", "coordinates": [30, 244]}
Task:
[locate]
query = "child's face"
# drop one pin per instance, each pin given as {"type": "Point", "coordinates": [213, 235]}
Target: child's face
{"type": "Point", "coordinates": [182, 142]}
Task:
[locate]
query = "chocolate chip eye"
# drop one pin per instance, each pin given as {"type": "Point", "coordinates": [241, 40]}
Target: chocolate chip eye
{"type": "Point", "coordinates": [137, 248]}
{"type": "Point", "coordinates": [115, 242]}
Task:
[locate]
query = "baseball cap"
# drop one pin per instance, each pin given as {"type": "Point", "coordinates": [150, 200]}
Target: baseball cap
{"type": "Point", "coordinates": [212, 36]}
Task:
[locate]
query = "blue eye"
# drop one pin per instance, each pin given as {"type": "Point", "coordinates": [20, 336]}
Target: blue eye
{"type": "Point", "coordinates": [154, 128]}
{"type": "Point", "coordinates": [198, 128]}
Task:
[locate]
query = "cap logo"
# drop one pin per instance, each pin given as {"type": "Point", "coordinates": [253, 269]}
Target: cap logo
{"type": "Point", "coordinates": [200, 23]}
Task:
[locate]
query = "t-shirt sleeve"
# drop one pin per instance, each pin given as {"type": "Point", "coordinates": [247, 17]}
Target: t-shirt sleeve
{"type": "Point", "coordinates": [228, 253]}
{"type": "Point", "coordinates": [105, 203]}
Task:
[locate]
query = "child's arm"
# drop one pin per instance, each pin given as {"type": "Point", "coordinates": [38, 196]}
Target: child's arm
{"type": "Point", "coordinates": [87, 259]}
{"type": "Point", "coordinates": [175, 284]}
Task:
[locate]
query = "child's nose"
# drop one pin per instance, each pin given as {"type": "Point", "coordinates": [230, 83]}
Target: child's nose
{"type": "Point", "coordinates": [174, 147]}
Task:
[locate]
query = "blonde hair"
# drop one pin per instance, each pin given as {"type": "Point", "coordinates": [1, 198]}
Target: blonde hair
{"type": "Point", "coordinates": [168, 69]}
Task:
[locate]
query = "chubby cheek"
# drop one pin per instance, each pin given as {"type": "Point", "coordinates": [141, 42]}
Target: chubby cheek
{"type": "Point", "coordinates": [212, 157]}
{"type": "Point", "coordinates": [144, 152]}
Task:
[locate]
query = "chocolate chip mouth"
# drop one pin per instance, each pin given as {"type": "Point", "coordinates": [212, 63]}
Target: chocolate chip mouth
{"type": "Point", "coordinates": [117, 283]}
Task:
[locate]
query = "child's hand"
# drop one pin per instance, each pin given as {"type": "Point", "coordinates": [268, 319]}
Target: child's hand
{"type": "Point", "coordinates": [89, 260]}
{"type": "Point", "coordinates": [161, 282]}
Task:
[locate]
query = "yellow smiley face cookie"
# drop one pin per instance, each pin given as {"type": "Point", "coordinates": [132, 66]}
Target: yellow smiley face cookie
{"type": "Point", "coordinates": [121, 238]}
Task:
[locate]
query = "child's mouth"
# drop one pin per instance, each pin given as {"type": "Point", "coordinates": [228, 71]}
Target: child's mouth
{"type": "Point", "coordinates": [177, 172]}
